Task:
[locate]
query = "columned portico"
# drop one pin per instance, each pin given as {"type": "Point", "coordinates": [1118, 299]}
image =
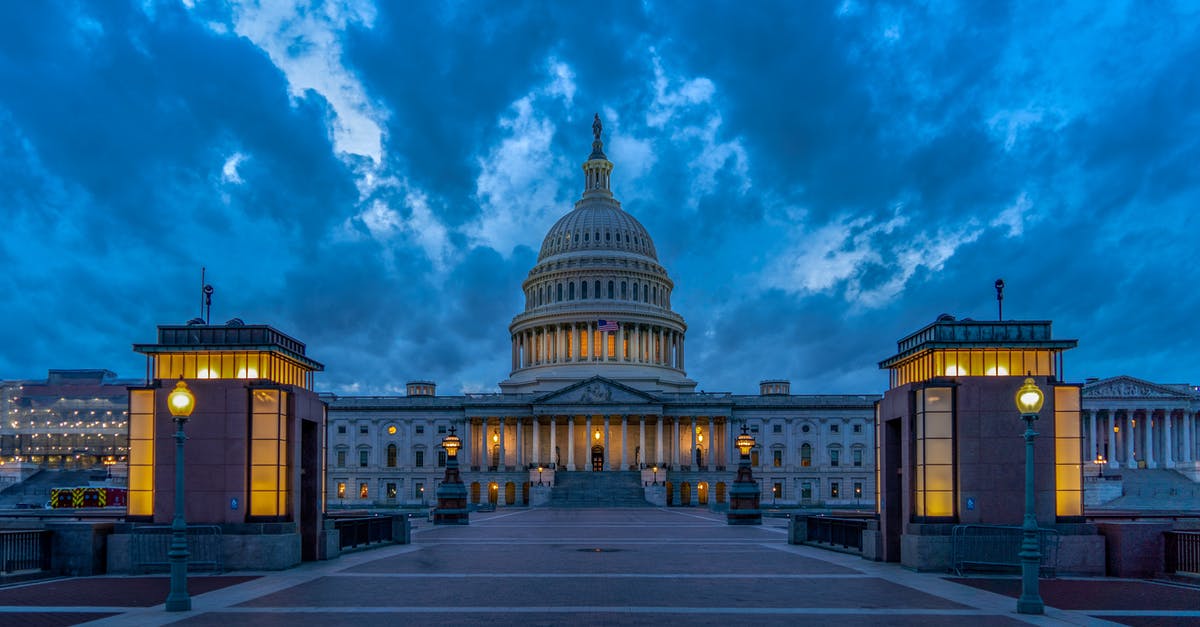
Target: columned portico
{"type": "Point", "coordinates": [1140, 424]}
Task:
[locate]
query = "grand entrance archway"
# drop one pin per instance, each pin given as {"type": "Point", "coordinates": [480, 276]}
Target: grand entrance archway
{"type": "Point", "coordinates": [597, 458]}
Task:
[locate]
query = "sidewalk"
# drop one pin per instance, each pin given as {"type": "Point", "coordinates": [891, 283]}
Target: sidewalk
{"type": "Point", "coordinates": [611, 566]}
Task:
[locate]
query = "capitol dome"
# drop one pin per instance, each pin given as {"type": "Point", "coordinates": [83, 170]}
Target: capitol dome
{"type": "Point", "coordinates": [597, 302]}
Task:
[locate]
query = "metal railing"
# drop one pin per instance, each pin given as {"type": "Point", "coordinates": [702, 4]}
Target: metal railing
{"type": "Point", "coordinates": [839, 532]}
{"type": "Point", "coordinates": [354, 532]}
{"type": "Point", "coordinates": [24, 551]}
{"type": "Point", "coordinates": [1182, 552]}
{"type": "Point", "coordinates": [997, 547]}
{"type": "Point", "coordinates": [149, 544]}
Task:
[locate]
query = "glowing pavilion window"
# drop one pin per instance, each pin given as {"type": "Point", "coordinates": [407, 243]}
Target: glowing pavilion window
{"type": "Point", "coordinates": [230, 365]}
{"type": "Point", "coordinates": [141, 453]}
{"type": "Point", "coordinates": [268, 453]}
{"type": "Point", "coordinates": [934, 468]}
{"type": "Point", "coordinates": [1068, 452]}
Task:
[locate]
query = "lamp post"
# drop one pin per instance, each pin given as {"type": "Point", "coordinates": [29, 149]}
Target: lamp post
{"type": "Point", "coordinates": [452, 494]}
{"type": "Point", "coordinates": [743, 495]}
{"type": "Point", "coordinates": [656, 475]}
{"type": "Point", "coordinates": [180, 402]}
{"type": "Point", "coordinates": [1029, 402]}
{"type": "Point", "coordinates": [540, 476]}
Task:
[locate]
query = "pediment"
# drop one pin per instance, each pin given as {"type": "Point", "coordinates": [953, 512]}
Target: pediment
{"type": "Point", "coordinates": [596, 391]}
{"type": "Point", "coordinates": [1129, 387]}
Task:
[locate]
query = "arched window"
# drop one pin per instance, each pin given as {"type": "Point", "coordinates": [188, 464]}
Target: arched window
{"type": "Point", "coordinates": [635, 291]}
{"type": "Point", "coordinates": [610, 289]}
{"type": "Point", "coordinates": [570, 291]}
{"type": "Point", "coordinates": [654, 294]}
{"type": "Point", "coordinates": [583, 288]}
{"type": "Point", "coordinates": [645, 293]}
{"type": "Point", "coordinates": [624, 290]}
{"type": "Point", "coordinates": [597, 289]}
{"type": "Point", "coordinates": [806, 454]}
{"type": "Point", "coordinates": [559, 298]}
{"type": "Point", "coordinates": [541, 296]}
{"type": "Point", "coordinates": [608, 236]}
{"type": "Point", "coordinates": [585, 237]}
{"type": "Point", "coordinates": [391, 456]}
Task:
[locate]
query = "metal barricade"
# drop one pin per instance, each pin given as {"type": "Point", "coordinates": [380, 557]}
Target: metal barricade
{"type": "Point", "coordinates": [24, 551]}
{"type": "Point", "coordinates": [1182, 553]}
{"type": "Point", "coordinates": [149, 545]}
{"type": "Point", "coordinates": [998, 547]}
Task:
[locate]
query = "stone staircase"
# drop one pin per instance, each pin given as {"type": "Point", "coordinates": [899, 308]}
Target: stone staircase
{"type": "Point", "coordinates": [1155, 489]}
{"type": "Point", "coordinates": [597, 489]}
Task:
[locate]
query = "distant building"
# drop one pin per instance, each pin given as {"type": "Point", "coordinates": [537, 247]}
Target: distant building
{"type": "Point", "coordinates": [598, 387]}
{"type": "Point", "coordinates": [72, 419]}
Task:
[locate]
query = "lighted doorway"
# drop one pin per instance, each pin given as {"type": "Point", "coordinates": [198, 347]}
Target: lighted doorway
{"type": "Point", "coordinates": [493, 493]}
{"type": "Point", "coordinates": [597, 458]}
{"type": "Point", "coordinates": [685, 493]}
{"type": "Point", "coordinates": [702, 493]}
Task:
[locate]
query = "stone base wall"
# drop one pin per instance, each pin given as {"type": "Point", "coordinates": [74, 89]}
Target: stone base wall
{"type": "Point", "coordinates": [1100, 490]}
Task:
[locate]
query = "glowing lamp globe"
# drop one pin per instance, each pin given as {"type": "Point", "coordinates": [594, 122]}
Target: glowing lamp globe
{"type": "Point", "coordinates": [180, 401]}
{"type": "Point", "coordinates": [744, 442]}
{"type": "Point", "coordinates": [452, 443]}
{"type": "Point", "coordinates": [1029, 398]}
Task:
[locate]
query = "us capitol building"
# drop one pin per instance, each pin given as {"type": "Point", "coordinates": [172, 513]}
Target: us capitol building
{"type": "Point", "coordinates": [598, 408]}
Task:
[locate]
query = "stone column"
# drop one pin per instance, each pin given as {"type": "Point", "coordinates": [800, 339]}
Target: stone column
{"type": "Point", "coordinates": [591, 352]}
{"type": "Point", "coordinates": [635, 344]}
{"type": "Point", "coordinates": [537, 447]}
{"type": "Point", "coordinates": [621, 354]}
{"type": "Point", "coordinates": [513, 355]}
{"type": "Point", "coordinates": [503, 447]}
{"type": "Point", "coordinates": [519, 462]}
{"type": "Point", "coordinates": [607, 439]}
{"type": "Point", "coordinates": [1189, 431]}
{"type": "Point", "coordinates": [1148, 418]}
{"type": "Point", "coordinates": [587, 440]}
{"type": "Point", "coordinates": [485, 452]}
{"type": "Point", "coordinates": [1094, 432]}
{"type": "Point", "coordinates": [658, 441]}
{"type": "Point", "coordinates": [624, 442]}
{"type": "Point", "coordinates": [662, 354]}
{"type": "Point", "coordinates": [571, 442]}
{"type": "Point", "coordinates": [1112, 441]}
{"type": "Point", "coordinates": [1168, 445]}
{"type": "Point", "coordinates": [642, 440]}
{"type": "Point", "coordinates": [692, 442]}
{"type": "Point", "coordinates": [675, 442]}
{"type": "Point", "coordinates": [1130, 462]}
{"type": "Point", "coordinates": [681, 351]}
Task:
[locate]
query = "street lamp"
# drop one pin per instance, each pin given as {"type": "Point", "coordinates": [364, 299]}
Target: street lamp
{"type": "Point", "coordinates": [744, 494]}
{"type": "Point", "coordinates": [1029, 402]}
{"type": "Point", "coordinates": [180, 402]}
{"type": "Point", "coordinates": [656, 475]}
{"type": "Point", "coordinates": [540, 475]}
{"type": "Point", "coordinates": [452, 494]}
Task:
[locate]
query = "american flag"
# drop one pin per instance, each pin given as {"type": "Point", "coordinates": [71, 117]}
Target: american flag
{"type": "Point", "coordinates": [607, 325]}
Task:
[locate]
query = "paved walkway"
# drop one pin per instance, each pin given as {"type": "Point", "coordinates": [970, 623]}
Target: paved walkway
{"type": "Point", "coordinates": [610, 566]}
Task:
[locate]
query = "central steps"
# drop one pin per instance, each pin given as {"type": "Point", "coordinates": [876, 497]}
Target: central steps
{"type": "Point", "coordinates": [598, 489]}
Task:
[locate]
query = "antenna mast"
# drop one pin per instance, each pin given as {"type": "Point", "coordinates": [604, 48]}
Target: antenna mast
{"type": "Point", "coordinates": [1000, 298]}
{"type": "Point", "coordinates": [206, 292]}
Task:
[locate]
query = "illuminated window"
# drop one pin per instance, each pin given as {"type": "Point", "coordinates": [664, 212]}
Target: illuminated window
{"type": "Point", "coordinates": [419, 490]}
{"type": "Point", "coordinates": [754, 457]}
{"type": "Point", "coordinates": [419, 459]}
{"type": "Point", "coordinates": [612, 344]}
{"type": "Point", "coordinates": [1068, 464]}
{"type": "Point", "coordinates": [806, 454]}
{"type": "Point", "coordinates": [777, 458]}
{"type": "Point", "coordinates": [362, 491]}
{"type": "Point", "coordinates": [341, 489]}
{"type": "Point", "coordinates": [391, 491]}
{"type": "Point", "coordinates": [391, 456]}
{"type": "Point", "coordinates": [141, 453]}
{"type": "Point", "coordinates": [268, 453]}
{"type": "Point", "coordinates": [834, 490]}
{"type": "Point", "coordinates": [934, 464]}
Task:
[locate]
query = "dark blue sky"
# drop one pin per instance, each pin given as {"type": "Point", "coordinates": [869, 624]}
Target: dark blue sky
{"type": "Point", "coordinates": [820, 179]}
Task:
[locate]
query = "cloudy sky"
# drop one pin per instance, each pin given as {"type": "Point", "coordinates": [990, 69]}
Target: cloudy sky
{"type": "Point", "coordinates": [820, 178]}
